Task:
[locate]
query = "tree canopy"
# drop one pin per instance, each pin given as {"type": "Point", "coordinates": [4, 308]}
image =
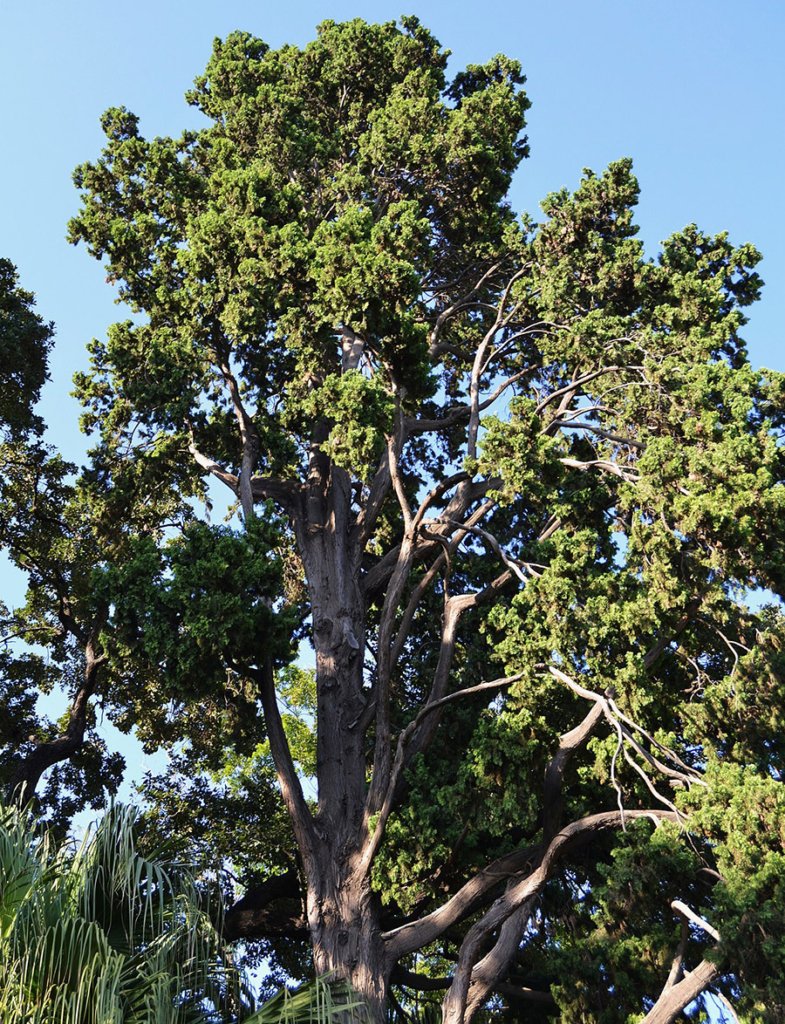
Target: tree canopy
{"type": "Point", "coordinates": [515, 484]}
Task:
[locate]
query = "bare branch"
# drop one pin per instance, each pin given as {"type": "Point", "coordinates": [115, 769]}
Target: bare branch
{"type": "Point", "coordinates": [625, 727]}
{"type": "Point", "coordinates": [212, 467]}
{"type": "Point", "coordinates": [569, 743]}
{"type": "Point", "coordinates": [513, 564]}
{"type": "Point", "coordinates": [431, 574]}
{"type": "Point", "coordinates": [487, 973]}
{"type": "Point", "coordinates": [575, 385]}
{"type": "Point", "coordinates": [464, 302]}
{"type": "Point", "coordinates": [518, 892]}
{"type": "Point", "coordinates": [604, 466]}
{"type": "Point", "coordinates": [29, 769]}
{"type": "Point", "coordinates": [594, 429]}
{"type": "Point", "coordinates": [681, 908]}
{"type": "Point", "coordinates": [538, 860]}
{"type": "Point", "coordinates": [248, 436]}
{"type": "Point", "coordinates": [461, 412]}
{"type": "Point", "coordinates": [727, 1004]}
{"type": "Point", "coordinates": [677, 966]}
{"type": "Point", "coordinates": [406, 735]}
{"type": "Point", "coordinates": [673, 1000]}
{"type": "Point", "coordinates": [291, 790]}
{"type": "Point", "coordinates": [678, 994]}
{"type": "Point", "coordinates": [380, 487]}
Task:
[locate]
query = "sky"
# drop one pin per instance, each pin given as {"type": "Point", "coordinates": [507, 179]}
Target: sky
{"type": "Point", "coordinates": [692, 90]}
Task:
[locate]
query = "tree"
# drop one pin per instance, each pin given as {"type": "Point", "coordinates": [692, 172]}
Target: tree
{"type": "Point", "coordinates": [514, 481]}
{"type": "Point", "coordinates": [25, 340]}
{"type": "Point", "coordinates": [109, 932]}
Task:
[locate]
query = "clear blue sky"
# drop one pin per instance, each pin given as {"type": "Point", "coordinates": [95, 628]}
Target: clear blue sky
{"type": "Point", "coordinates": [693, 90]}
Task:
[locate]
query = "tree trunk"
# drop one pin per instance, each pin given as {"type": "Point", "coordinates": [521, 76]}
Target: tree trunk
{"type": "Point", "coordinates": [345, 930]}
{"type": "Point", "coordinates": [343, 913]}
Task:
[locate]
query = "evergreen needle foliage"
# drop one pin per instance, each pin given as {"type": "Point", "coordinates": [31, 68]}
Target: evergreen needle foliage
{"type": "Point", "coordinates": [516, 486]}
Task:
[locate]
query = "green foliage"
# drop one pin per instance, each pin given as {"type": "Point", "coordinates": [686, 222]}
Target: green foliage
{"type": "Point", "coordinates": [609, 516]}
{"type": "Point", "coordinates": [741, 815]}
{"type": "Point", "coordinates": [331, 182]}
{"type": "Point", "coordinates": [25, 340]}
{"type": "Point", "coordinates": [361, 414]}
{"type": "Point", "coordinates": [189, 616]}
{"type": "Point", "coordinates": [107, 933]}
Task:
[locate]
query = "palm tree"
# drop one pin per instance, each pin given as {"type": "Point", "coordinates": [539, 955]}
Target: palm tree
{"type": "Point", "coordinates": [106, 935]}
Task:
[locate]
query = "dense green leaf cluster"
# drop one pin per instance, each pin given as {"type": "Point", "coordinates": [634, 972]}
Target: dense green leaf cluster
{"type": "Point", "coordinates": [25, 340]}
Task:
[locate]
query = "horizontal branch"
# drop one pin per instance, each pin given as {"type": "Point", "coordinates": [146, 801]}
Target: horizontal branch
{"type": "Point", "coordinates": [604, 465]}
{"type": "Point", "coordinates": [599, 431]}
{"type": "Point", "coordinates": [284, 492]}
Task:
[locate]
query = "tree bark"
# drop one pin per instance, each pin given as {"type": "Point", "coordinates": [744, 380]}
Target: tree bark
{"type": "Point", "coordinates": [343, 916]}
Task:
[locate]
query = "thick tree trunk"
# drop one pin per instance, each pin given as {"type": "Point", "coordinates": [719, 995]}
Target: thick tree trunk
{"type": "Point", "coordinates": [343, 914]}
{"type": "Point", "coordinates": [346, 935]}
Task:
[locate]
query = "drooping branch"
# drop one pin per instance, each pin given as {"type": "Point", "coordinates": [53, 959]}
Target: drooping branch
{"type": "Point", "coordinates": [599, 431]}
{"type": "Point", "coordinates": [519, 568]}
{"type": "Point", "coordinates": [625, 729]}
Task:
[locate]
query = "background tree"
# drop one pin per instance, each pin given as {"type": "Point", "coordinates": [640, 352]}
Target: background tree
{"type": "Point", "coordinates": [54, 638]}
{"type": "Point", "coordinates": [456, 440]}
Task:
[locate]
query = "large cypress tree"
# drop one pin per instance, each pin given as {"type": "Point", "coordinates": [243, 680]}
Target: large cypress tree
{"type": "Point", "coordinates": [517, 484]}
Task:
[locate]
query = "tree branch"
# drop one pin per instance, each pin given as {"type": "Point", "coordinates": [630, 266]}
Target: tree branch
{"type": "Point", "coordinates": [400, 761]}
{"type": "Point", "coordinates": [291, 790]}
{"type": "Point", "coordinates": [518, 893]}
{"type": "Point", "coordinates": [673, 1000]}
{"type": "Point", "coordinates": [28, 771]}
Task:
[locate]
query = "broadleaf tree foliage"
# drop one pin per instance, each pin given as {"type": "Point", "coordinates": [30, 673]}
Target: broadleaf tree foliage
{"type": "Point", "coordinates": [516, 484]}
